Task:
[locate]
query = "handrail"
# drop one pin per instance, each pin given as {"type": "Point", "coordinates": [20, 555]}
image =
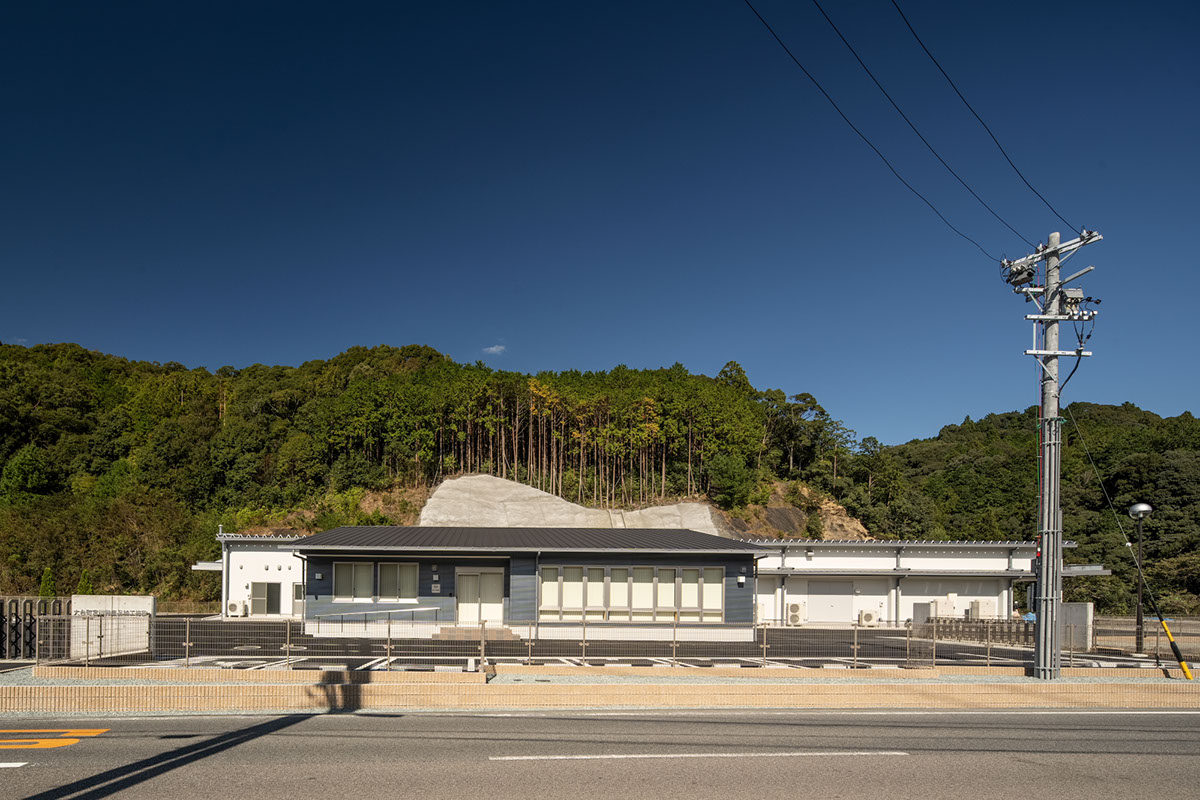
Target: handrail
{"type": "Point", "coordinates": [387, 611]}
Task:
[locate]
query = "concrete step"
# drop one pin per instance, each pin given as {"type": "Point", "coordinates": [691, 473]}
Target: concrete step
{"type": "Point", "coordinates": [456, 633]}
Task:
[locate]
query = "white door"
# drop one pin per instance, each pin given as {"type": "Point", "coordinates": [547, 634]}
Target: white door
{"type": "Point", "coordinates": [491, 597]}
{"type": "Point", "coordinates": [831, 601]}
{"type": "Point", "coordinates": [481, 597]}
{"type": "Point", "coordinates": [468, 597]}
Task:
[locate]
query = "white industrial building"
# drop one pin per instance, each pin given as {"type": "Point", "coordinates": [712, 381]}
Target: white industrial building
{"type": "Point", "coordinates": [798, 582]}
{"type": "Point", "coordinates": [810, 582]}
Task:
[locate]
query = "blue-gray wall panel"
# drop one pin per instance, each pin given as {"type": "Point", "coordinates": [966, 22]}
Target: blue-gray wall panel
{"type": "Point", "coordinates": [319, 592]}
{"type": "Point", "coordinates": [522, 604]}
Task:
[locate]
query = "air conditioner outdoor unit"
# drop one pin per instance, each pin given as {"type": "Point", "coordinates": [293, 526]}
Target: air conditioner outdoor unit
{"type": "Point", "coordinates": [237, 609]}
{"type": "Point", "coordinates": [795, 614]}
{"type": "Point", "coordinates": [868, 619]}
{"type": "Point", "coordinates": [982, 609]}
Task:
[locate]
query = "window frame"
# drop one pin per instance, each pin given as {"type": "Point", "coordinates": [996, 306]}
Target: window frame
{"type": "Point", "coordinates": [352, 597]}
{"type": "Point", "coordinates": [397, 566]}
{"type": "Point", "coordinates": [630, 612]}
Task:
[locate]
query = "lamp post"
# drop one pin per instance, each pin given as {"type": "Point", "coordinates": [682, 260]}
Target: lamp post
{"type": "Point", "coordinates": [1139, 511]}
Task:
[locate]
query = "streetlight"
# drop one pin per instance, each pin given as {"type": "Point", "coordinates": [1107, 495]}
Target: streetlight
{"type": "Point", "coordinates": [1139, 511]}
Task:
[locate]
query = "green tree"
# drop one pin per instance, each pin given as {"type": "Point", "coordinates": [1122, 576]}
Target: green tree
{"type": "Point", "coordinates": [85, 583]}
{"type": "Point", "coordinates": [730, 481]}
{"type": "Point", "coordinates": [27, 472]}
{"type": "Point", "coordinates": [47, 588]}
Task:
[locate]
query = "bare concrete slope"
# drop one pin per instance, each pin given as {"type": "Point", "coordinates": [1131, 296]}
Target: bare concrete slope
{"type": "Point", "coordinates": [489, 502]}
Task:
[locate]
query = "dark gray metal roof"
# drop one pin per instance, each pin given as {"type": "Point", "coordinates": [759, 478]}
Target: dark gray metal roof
{"type": "Point", "coordinates": [776, 544]}
{"type": "Point", "coordinates": [549, 540]}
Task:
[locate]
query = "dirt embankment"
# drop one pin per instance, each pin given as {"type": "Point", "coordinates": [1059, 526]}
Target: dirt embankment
{"type": "Point", "coordinates": [786, 518]}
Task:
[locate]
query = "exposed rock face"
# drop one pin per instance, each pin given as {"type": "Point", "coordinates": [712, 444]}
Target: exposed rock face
{"type": "Point", "coordinates": [781, 519]}
{"type": "Point", "coordinates": [839, 525]}
{"type": "Point", "coordinates": [488, 502]}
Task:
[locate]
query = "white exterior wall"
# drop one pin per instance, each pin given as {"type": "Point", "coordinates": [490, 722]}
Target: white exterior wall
{"type": "Point", "coordinates": [261, 562]}
{"type": "Point", "coordinates": [885, 578]}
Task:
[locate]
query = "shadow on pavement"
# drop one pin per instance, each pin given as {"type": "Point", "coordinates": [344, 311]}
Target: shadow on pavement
{"type": "Point", "coordinates": [118, 779]}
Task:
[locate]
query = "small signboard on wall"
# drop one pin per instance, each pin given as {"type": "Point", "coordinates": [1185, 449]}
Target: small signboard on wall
{"type": "Point", "coordinates": [435, 588]}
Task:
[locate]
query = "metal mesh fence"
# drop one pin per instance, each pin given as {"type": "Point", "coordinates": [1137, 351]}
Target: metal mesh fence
{"type": "Point", "coordinates": [1119, 634]}
{"type": "Point", "coordinates": [379, 643]}
{"type": "Point", "coordinates": [370, 642]}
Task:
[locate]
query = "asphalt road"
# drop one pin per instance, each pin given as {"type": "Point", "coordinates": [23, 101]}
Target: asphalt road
{"type": "Point", "coordinates": [761, 754]}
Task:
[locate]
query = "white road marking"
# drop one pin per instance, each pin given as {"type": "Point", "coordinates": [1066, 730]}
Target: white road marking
{"type": "Point", "coordinates": [7, 764]}
{"type": "Point", "coordinates": [617, 757]}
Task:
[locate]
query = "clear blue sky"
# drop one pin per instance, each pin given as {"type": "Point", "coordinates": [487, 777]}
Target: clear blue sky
{"type": "Point", "coordinates": [549, 186]}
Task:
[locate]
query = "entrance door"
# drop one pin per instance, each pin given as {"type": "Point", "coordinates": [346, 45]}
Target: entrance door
{"type": "Point", "coordinates": [468, 597]}
{"type": "Point", "coordinates": [491, 597]}
{"type": "Point", "coordinates": [264, 598]}
{"type": "Point", "coordinates": [480, 597]}
{"type": "Point", "coordinates": [831, 601]}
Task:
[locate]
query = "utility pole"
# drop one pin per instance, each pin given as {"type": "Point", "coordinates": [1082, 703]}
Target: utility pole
{"type": "Point", "coordinates": [1055, 304]}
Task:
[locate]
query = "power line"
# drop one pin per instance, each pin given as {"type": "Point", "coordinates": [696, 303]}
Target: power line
{"type": "Point", "coordinates": [1107, 498]}
{"type": "Point", "coordinates": [904, 116]}
{"type": "Point", "coordinates": [981, 122]}
{"type": "Point", "coordinates": [861, 135]}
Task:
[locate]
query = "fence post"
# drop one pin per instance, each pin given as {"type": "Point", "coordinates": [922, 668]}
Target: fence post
{"type": "Point", "coordinates": [908, 645]}
{"type": "Point", "coordinates": [674, 638]}
{"type": "Point", "coordinates": [529, 642]}
{"type": "Point", "coordinates": [854, 646]}
{"type": "Point", "coordinates": [935, 641]}
{"type": "Point", "coordinates": [187, 643]}
{"type": "Point", "coordinates": [287, 643]}
{"type": "Point", "coordinates": [87, 641]}
{"type": "Point", "coordinates": [389, 641]}
{"type": "Point", "coordinates": [583, 644]}
{"type": "Point", "coordinates": [987, 627]}
{"type": "Point", "coordinates": [482, 646]}
{"type": "Point", "coordinates": [1071, 645]}
{"type": "Point", "coordinates": [764, 644]}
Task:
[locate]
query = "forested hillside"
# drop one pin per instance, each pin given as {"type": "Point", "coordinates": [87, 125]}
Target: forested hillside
{"type": "Point", "coordinates": [126, 468]}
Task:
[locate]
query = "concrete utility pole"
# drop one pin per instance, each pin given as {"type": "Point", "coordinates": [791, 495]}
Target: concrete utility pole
{"type": "Point", "coordinates": [1056, 304]}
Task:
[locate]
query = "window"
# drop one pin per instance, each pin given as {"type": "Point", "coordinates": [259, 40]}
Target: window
{"type": "Point", "coordinates": [397, 581]}
{"type": "Point", "coordinates": [298, 592]}
{"type": "Point", "coordinates": [549, 592]}
{"type": "Point", "coordinates": [618, 594]}
{"type": "Point", "coordinates": [572, 593]}
{"type": "Point", "coordinates": [638, 594]}
{"type": "Point", "coordinates": [353, 581]}
{"type": "Point", "coordinates": [264, 598]}
{"type": "Point", "coordinates": [689, 595]}
{"type": "Point", "coordinates": [643, 593]}
{"type": "Point", "coordinates": [714, 593]}
{"type": "Point", "coordinates": [594, 590]}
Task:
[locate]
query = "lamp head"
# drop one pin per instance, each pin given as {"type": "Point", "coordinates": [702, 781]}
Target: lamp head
{"type": "Point", "coordinates": [1140, 511]}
